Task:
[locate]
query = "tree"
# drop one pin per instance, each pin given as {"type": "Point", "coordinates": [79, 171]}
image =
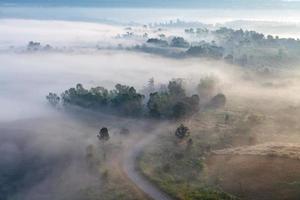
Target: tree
{"type": "Point", "coordinates": [206, 50]}
{"type": "Point", "coordinates": [100, 96]}
{"type": "Point", "coordinates": [207, 87]}
{"type": "Point", "coordinates": [127, 100]}
{"type": "Point", "coordinates": [185, 107]}
{"type": "Point", "coordinates": [33, 46]}
{"type": "Point", "coordinates": [103, 134]}
{"type": "Point", "coordinates": [182, 132]}
{"type": "Point", "coordinates": [149, 88]}
{"type": "Point", "coordinates": [53, 99]}
{"type": "Point", "coordinates": [179, 42]}
{"type": "Point", "coordinates": [179, 110]}
{"type": "Point", "coordinates": [176, 89]}
{"type": "Point", "coordinates": [151, 85]}
{"type": "Point", "coordinates": [172, 103]}
{"type": "Point", "coordinates": [159, 104]}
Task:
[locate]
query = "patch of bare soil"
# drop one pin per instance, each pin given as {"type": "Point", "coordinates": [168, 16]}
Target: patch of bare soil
{"type": "Point", "coordinates": [262, 172]}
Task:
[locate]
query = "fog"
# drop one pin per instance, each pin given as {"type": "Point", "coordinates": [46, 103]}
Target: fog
{"type": "Point", "coordinates": [149, 15]}
{"type": "Point", "coordinates": [51, 143]}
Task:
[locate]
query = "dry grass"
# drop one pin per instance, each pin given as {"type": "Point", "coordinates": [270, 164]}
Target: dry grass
{"type": "Point", "coordinates": [284, 150]}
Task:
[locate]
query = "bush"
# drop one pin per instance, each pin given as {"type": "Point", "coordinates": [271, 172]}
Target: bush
{"type": "Point", "coordinates": [217, 101]}
{"type": "Point", "coordinates": [182, 132]}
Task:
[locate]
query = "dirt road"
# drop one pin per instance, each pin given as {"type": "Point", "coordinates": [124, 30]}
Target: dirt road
{"type": "Point", "coordinates": [130, 168]}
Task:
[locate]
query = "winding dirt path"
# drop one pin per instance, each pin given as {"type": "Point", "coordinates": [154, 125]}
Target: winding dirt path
{"type": "Point", "coordinates": [130, 168]}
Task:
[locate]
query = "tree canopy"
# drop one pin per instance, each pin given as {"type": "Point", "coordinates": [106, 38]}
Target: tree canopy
{"type": "Point", "coordinates": [172, 102]}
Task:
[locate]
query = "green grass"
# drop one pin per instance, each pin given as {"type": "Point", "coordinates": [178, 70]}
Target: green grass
{"type": "Point", "coordinates": [177, 168]}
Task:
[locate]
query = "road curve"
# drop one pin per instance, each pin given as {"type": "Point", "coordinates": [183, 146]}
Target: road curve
{"type": "Point", "coordinates": [130, 168]}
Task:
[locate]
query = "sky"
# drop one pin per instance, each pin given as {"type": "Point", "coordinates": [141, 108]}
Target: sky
{"type": "Point", "coordinates": [160, 3]}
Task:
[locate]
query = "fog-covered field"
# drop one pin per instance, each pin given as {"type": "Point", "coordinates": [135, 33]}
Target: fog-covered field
{"type": "Point", "coordinates": [47, 151]}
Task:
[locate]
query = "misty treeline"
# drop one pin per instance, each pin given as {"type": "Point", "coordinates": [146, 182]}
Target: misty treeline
{"type": "Point", "coordinates": [37, 46]}
{"type": "Point", "coordinates": [241, 47]}
{"type": "Point", "coordinates": [166, 102]}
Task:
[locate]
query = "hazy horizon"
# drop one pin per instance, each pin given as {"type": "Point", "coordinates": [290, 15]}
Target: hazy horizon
{"type": "Point", "coordinates": [165, 3]}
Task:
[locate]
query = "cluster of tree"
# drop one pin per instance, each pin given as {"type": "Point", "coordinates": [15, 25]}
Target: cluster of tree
{"type": "Point", "coordinates": [124, 99]}
{"type": "Point", "coordinates": [256, 49]}
{"type": "Point", "coordinates": [172, 102]}
{"type": "Point", "coordinates": [178, 42]}
{"type": "Point", "coordinates": [158, 42]}
{"type": "Point", "coordinates": [178, 23]}
{"type": "Point", "coordinates": [228, 34]}
{"type": "Point", "coordinates": [243, 47]}
{"type": "Point", "coordinates": [197, 31]}
{"type": "Point", "coordinates": [53, 99]}
{"type": "Point", "coordinates": [206, 50]}
{"type": "Point", "coordinates": [36, 46]}
{"type": "Point", "coordinates": [183, 48]}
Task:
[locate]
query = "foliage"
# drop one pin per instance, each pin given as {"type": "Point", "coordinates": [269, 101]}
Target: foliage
{"type": "Point", "coordinates": [158, 42]}
{"type": "Point", "coordinates": [177, 168]}
{"type": "Point", "coordinates": [33, 46]}
{"type": "Point", "coordinates": [127, 100]}
{"type": "Point", "coordinates": [123, 98]}
{"type": "Point", "coordinates": [179, 42]}
{"type": "Point", "coordinates": [36, 46]}
{"type": "Point", "coordinates": [172, 103]}
{"type": "Point", "coordinates": [207, 87]}
{"type": "Point", "coordinates": [256, 49]}
{"type": "Point", "coordinates": [206, 50]}
{"type": "Point", "coordinates": [241, 47]}
{"type": "Point", "coordinates": [93, 98]}
{"type": "Point", "coordinates": [53, 99]}
{"type": "Point", "coordinates": [103, 134]}
{"type": "Point", "coordinates": [182, 132]}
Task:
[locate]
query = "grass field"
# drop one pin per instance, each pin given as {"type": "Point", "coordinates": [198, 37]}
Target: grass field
{"type": "Point", "coordinates": [234, 151]}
